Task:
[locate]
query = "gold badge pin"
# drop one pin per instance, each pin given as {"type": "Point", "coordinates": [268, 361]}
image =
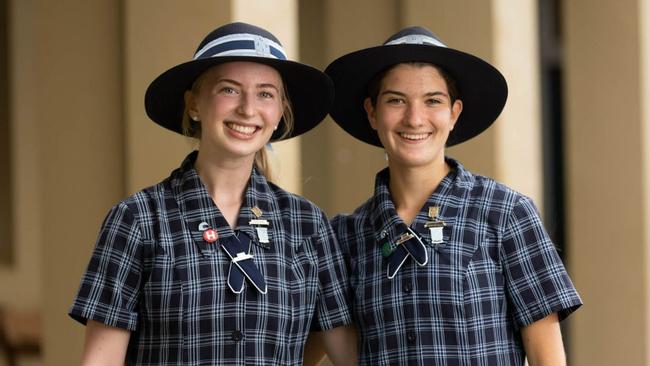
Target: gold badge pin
{"type": "Point", "coordinates": [256, 211]}
{"type": "Point", "coordinates": [434, 225]}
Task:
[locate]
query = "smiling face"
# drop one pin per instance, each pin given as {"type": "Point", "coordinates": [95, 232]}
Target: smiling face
{"type": "Point", "coordinates": [413, 115]}
{"type": "Point", "coordinates": [238, 104]}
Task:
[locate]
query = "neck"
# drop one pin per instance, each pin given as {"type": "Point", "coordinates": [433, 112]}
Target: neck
{"type": "Point", "coordinates": [410, 187]}
{"type": "Point", "coordinates": [225, 180]}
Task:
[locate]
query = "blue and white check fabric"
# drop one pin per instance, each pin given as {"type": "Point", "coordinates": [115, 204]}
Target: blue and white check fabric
{"type": "Point", "coordinates": [495, 272]}
{"type": "Point", "coordinates": [153, 273]}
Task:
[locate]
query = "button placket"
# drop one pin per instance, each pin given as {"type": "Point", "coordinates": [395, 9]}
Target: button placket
{"type": "Point", "coordinates": [407, 287]}
{"type": "Point", "coordinates": [237, 335]}
{"type": "Point", "coordinates": [411, 337]}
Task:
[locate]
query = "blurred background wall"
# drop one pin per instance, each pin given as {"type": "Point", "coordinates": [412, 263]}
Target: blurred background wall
{"type": "Point", "coordinates": [575, 136]}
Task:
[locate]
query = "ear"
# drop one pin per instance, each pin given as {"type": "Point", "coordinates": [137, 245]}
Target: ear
{"type": "Point", "coordinates": [190, 103]}
{"type": "Point", "coordinates": [456, 110]}
{"type": "Point", "coordinates": [370, 112]}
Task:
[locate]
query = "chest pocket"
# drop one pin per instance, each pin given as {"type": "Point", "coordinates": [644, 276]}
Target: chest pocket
{"type": "Point", "coordinates": [303, 285]}
{"type": "Point", "coordinates": [484, 282]}
{"type": "Point", "coordinates": [472, 261]}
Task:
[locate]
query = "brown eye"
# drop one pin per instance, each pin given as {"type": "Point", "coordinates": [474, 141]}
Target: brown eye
{"type": "Point", "coordinates": [228, 90]}
{"type": "Point", "coordinates": [395, 101]}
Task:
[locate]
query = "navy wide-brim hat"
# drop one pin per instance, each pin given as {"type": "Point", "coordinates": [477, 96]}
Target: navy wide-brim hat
{"type": "Point", "coordinates": [310, 91]}
{"type": "Point", "coordinates": [481, 87]}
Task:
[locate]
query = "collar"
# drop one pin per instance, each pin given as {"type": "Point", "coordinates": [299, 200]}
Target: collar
{"type": "Point", "coordinates": [197, 206]}
{"type": "Point", "coordinates": [387, 223]}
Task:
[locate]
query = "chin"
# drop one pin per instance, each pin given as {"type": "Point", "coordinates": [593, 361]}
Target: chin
{"type": "Point", "coordinates": [416, 161]}
{"type": "Point", "coordinates": [239, 151]}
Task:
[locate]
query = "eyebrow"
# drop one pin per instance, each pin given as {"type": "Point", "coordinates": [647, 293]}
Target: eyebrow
{"type": "Point", "coordinates": [429, 94]}
{"type": "Point", "coordinates": [261, 85]}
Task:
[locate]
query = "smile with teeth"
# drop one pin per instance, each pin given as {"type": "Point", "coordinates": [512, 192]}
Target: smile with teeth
{"type": "Point", "coordinates": [414, 136]}
{"type": "Point", "coordinates": [246, 130]}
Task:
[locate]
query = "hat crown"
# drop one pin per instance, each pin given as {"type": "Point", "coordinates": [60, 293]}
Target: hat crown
{"type": "Point", "coordinates": [240, 39]}
{"type": "Point", "coordinates": [414, 35]}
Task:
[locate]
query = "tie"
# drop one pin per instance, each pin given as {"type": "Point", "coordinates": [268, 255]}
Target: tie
{"type": "Point", "coordinates": [242, 265]}
{"type": "Point", "coordinates": [407, 244]}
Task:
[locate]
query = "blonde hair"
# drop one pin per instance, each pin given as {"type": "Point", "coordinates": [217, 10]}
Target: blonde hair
{"type": "Point", "coordinates": [192, 128]}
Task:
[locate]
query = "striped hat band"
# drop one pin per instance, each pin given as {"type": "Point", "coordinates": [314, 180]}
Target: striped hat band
{"type": "Point", "coordinates": [241, 44]}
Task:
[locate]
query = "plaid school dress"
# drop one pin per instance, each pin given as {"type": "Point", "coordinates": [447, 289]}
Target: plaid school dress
{"type": "Point", "coordinates": [155, 273]}
{"type": "Point", "coordinates": [460, 300]}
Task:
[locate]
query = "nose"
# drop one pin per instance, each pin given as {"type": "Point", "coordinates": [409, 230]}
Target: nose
{"type": "Point", "coordinates": [414, 115]}
{"type": "Point", "coordinates": [245, 107]}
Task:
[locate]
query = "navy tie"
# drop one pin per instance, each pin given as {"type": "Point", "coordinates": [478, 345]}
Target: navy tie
{"type": "Point", "coordinates": [407, 245]}
{"type": "Point", "coordinates": [242, 265]}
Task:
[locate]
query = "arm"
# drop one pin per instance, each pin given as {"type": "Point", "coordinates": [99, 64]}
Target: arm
{"type": "Point", "coordinates": [543, 342]}
{"type": "Point", "coordinates": [314, 351]}
{"type": "Point", "coordinates": [104, 345]}
{"type": "Point", "coordinates": [333, 304]}
{"type": "Point", "coordinates": [341, 345]}
{"type": "Point", "coordinates": [536, 283]}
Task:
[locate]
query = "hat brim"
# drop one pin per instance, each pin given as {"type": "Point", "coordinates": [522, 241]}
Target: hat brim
{"type": "Point", "coordinates": [310, 91]}
{"type": "Point", "coordinates": [482, 88]}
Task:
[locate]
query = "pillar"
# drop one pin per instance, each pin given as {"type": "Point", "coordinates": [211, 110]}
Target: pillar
{"type": "Point", "coordinates": [75, 100]}
{"type": "Point", "coordinates": [608, 185]}
{"type": "Point", "coordinates": [504, 33]}
{"type": "Point", "coordinates": [338, 170]}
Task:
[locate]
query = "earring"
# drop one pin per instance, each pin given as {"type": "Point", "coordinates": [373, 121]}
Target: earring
{"type": "Point", "coordinates": [195, 118]}
{"type": "Point", "coordinates": [275, 128]}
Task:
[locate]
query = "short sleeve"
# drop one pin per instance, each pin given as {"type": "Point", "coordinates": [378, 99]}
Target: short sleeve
{"type": "Point", "coordinates": [332, 306]}
{"type": "Point", "coordinates": [109, 289]}
{"type": "Point", "coordinates": [537, 283]}
{"type": "Point", "coordinates": [338, 226]}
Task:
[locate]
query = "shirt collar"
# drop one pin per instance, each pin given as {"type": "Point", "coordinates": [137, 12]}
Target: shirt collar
{"type": "Point", "coordinates": [197, 206]}
{"type": "Point", "coordinates": [387, 223]}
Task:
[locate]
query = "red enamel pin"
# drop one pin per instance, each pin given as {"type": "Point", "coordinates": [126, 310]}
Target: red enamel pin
{"type": "Point", "coordinates": [210, 235]}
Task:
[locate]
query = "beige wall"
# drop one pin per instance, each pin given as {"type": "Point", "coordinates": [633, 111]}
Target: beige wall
{"type": "Point", "coordinates": [6, 214]}
{"type": "Point", "coordinates": [77, 101]}
{"type": "Point", "coordinates": [607, 141]}
{"type": "Point", "coordinates": [20, 280]}
{"type": "Point", "coordinates": [338, 172]}
{"type": "Point", "coordinates": [81, 141]}
{"type": "Point", "coordinates": [644, 44]}
{"type": "Point", "coordinates": [158, 34]}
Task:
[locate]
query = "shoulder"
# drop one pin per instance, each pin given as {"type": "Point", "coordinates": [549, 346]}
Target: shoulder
{"type": "Point", "coordinates": [344, 222]}
{"type": "Point", "coordinates": [486, 200]}
{"type": "Point", "coordinates": [147, 200]}
{"type": "Point", "coordinates": [138, 212]}
{"type": "Point", "coordinates": [353, 229]}
{"type": "Point", "coordinates": [299, 215]}
{"type": "Point", "coordinates": [487, 191]}
{"type": "Point", "coordinates": [291, 202]}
